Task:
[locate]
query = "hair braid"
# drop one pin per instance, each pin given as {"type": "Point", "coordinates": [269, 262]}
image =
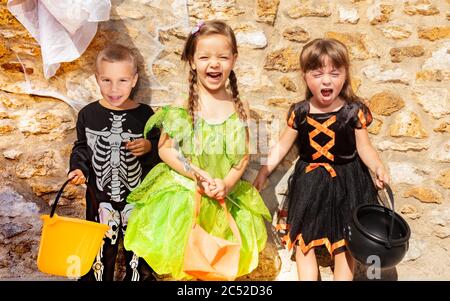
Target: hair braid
{"type": "Point", "coordinates": [237, 101]}
{"type": "Point", "coordinates": [193, 96]}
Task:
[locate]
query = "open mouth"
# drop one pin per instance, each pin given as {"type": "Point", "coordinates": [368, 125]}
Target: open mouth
{"type": "Point", "coordinates": [326, 92]}
{"type": "Point", "coordinates": [115, 98]}
{"type": "Point", "coordinates": [214, 75]}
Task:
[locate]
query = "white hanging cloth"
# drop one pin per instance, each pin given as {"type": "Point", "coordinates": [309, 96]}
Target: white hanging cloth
{"type": "Point", "coordinates": [63, 28]}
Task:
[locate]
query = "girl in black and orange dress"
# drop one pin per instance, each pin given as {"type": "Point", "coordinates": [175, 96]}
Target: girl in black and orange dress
{"type": "Point", "coordinates": [332, 175]}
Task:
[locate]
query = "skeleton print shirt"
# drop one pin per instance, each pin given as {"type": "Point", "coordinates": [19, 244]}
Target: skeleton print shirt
{"type": "Point", "coordinates": [111, 170]}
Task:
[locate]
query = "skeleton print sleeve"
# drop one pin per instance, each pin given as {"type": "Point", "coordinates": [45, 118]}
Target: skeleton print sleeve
{"type": "Point", "coordinates": [79, 158]}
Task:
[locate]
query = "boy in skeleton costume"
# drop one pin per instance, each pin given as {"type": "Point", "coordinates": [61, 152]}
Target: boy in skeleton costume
{"type": "Point", "coordinates": [112, 156]}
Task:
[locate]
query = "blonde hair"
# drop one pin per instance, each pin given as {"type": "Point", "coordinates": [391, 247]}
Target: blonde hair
{"type": "Point", "coordinates": [210, 28]}
{"type": "Point", "coordinates": [313, 57]}
{"type": "Point", "coordinates": [116, 53]}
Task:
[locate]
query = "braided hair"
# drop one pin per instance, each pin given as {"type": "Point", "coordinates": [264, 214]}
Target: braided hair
{"type": "Point", "coordinates": [203, 29]}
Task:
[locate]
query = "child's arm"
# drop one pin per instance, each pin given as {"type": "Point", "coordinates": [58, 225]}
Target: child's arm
{"type": "Point", "coordinates": [276, 154]}
{"type": "Point", "coordinates": [79, 158]}
{"type": "Point", "coordinates": [170, 156]}
{"type": "Point", "coordinates": [280, 150]}
{"type": "Point", "coordinates": [225, 185]}
{"type": "Point", "coordinates": [370, 157]}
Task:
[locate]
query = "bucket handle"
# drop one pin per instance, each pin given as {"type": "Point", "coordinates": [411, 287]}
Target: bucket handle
{"type": "Point", "coordinates": [58, 196]}
{"type": "Point", "coordinates": [391, 201]}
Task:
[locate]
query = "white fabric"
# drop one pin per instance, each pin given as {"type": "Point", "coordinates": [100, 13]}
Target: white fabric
{"type": "Point", "coordinates": [63, 28]}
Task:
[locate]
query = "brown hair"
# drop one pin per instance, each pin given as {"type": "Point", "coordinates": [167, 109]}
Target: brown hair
{"type": "Point", "coordinates": [116, 53]}
{"type": "Point", "coordinates": [313, 57]}
{"type": "Point", "coordinates": [210, 28]}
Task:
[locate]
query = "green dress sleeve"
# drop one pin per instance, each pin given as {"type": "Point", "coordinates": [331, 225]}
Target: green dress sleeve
{"type": "Point", "coordinates": [236, 141]}
{"type": "Point", "coordinates": [175, 121]}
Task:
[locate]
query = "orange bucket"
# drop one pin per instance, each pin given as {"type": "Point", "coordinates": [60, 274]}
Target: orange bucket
{"type": "Point", "coordinates": [68, 246]}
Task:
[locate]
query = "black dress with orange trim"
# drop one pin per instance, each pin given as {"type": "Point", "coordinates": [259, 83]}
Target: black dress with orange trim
{"type": "Point", "coordinates": [329, 178]}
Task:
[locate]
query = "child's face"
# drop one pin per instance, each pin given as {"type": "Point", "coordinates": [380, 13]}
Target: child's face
{"type": "Point", "coordinates": [213, 60]}
{"type": "Point", "coordinates": [116, 80]}
{"type": "Point", "coordinates": [325, 83]}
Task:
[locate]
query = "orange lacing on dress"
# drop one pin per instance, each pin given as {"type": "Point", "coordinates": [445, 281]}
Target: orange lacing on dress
{"type": "Point", "coordinates": [322, 150]}
{"type": "Point", "coordinates": [327, 166]}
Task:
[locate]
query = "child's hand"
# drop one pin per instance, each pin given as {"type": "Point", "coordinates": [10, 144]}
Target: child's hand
{"type": "Point", "coordinates": [202, 176]}
{"type": "Point", "coordinates": [204, 181]}
{"type": "Point", "coordinates": [206, 187]}
{"type": "Point", "coordinates": [261, 181]}
{"type": "Point", "coordinates": [139, 146]}
{"type": "Point", "coordinates": [382, 177]}
{"type": "Point", "coordinates": [220, 190]}
{"type": "Point", "coordinates": [77, 177]}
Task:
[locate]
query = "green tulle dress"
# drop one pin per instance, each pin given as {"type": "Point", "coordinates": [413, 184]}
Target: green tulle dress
{"type": "Point", "coordinates": [159, 225]}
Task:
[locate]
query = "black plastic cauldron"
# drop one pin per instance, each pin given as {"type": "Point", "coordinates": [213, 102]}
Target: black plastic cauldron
{"type": "Point", "coordinates": [375, 230]}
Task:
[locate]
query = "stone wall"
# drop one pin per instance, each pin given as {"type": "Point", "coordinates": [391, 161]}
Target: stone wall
{"type": "Point", "coordinates": [400, 52]}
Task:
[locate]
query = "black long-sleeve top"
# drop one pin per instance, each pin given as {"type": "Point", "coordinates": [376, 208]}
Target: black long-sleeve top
{"type": "Point", "coordinates": [99, 151]}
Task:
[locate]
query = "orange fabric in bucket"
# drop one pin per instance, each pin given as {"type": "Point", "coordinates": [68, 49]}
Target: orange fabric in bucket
{"type": "Point", "coordinates": [208, 257]}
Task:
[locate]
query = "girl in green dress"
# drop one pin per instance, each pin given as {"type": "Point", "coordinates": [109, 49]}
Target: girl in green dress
{"type": "Point", "coordinates": [204, 142]}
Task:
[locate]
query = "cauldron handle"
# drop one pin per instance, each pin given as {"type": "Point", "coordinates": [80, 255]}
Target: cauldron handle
{"type": "Point", "coordinates": [391, 201]}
